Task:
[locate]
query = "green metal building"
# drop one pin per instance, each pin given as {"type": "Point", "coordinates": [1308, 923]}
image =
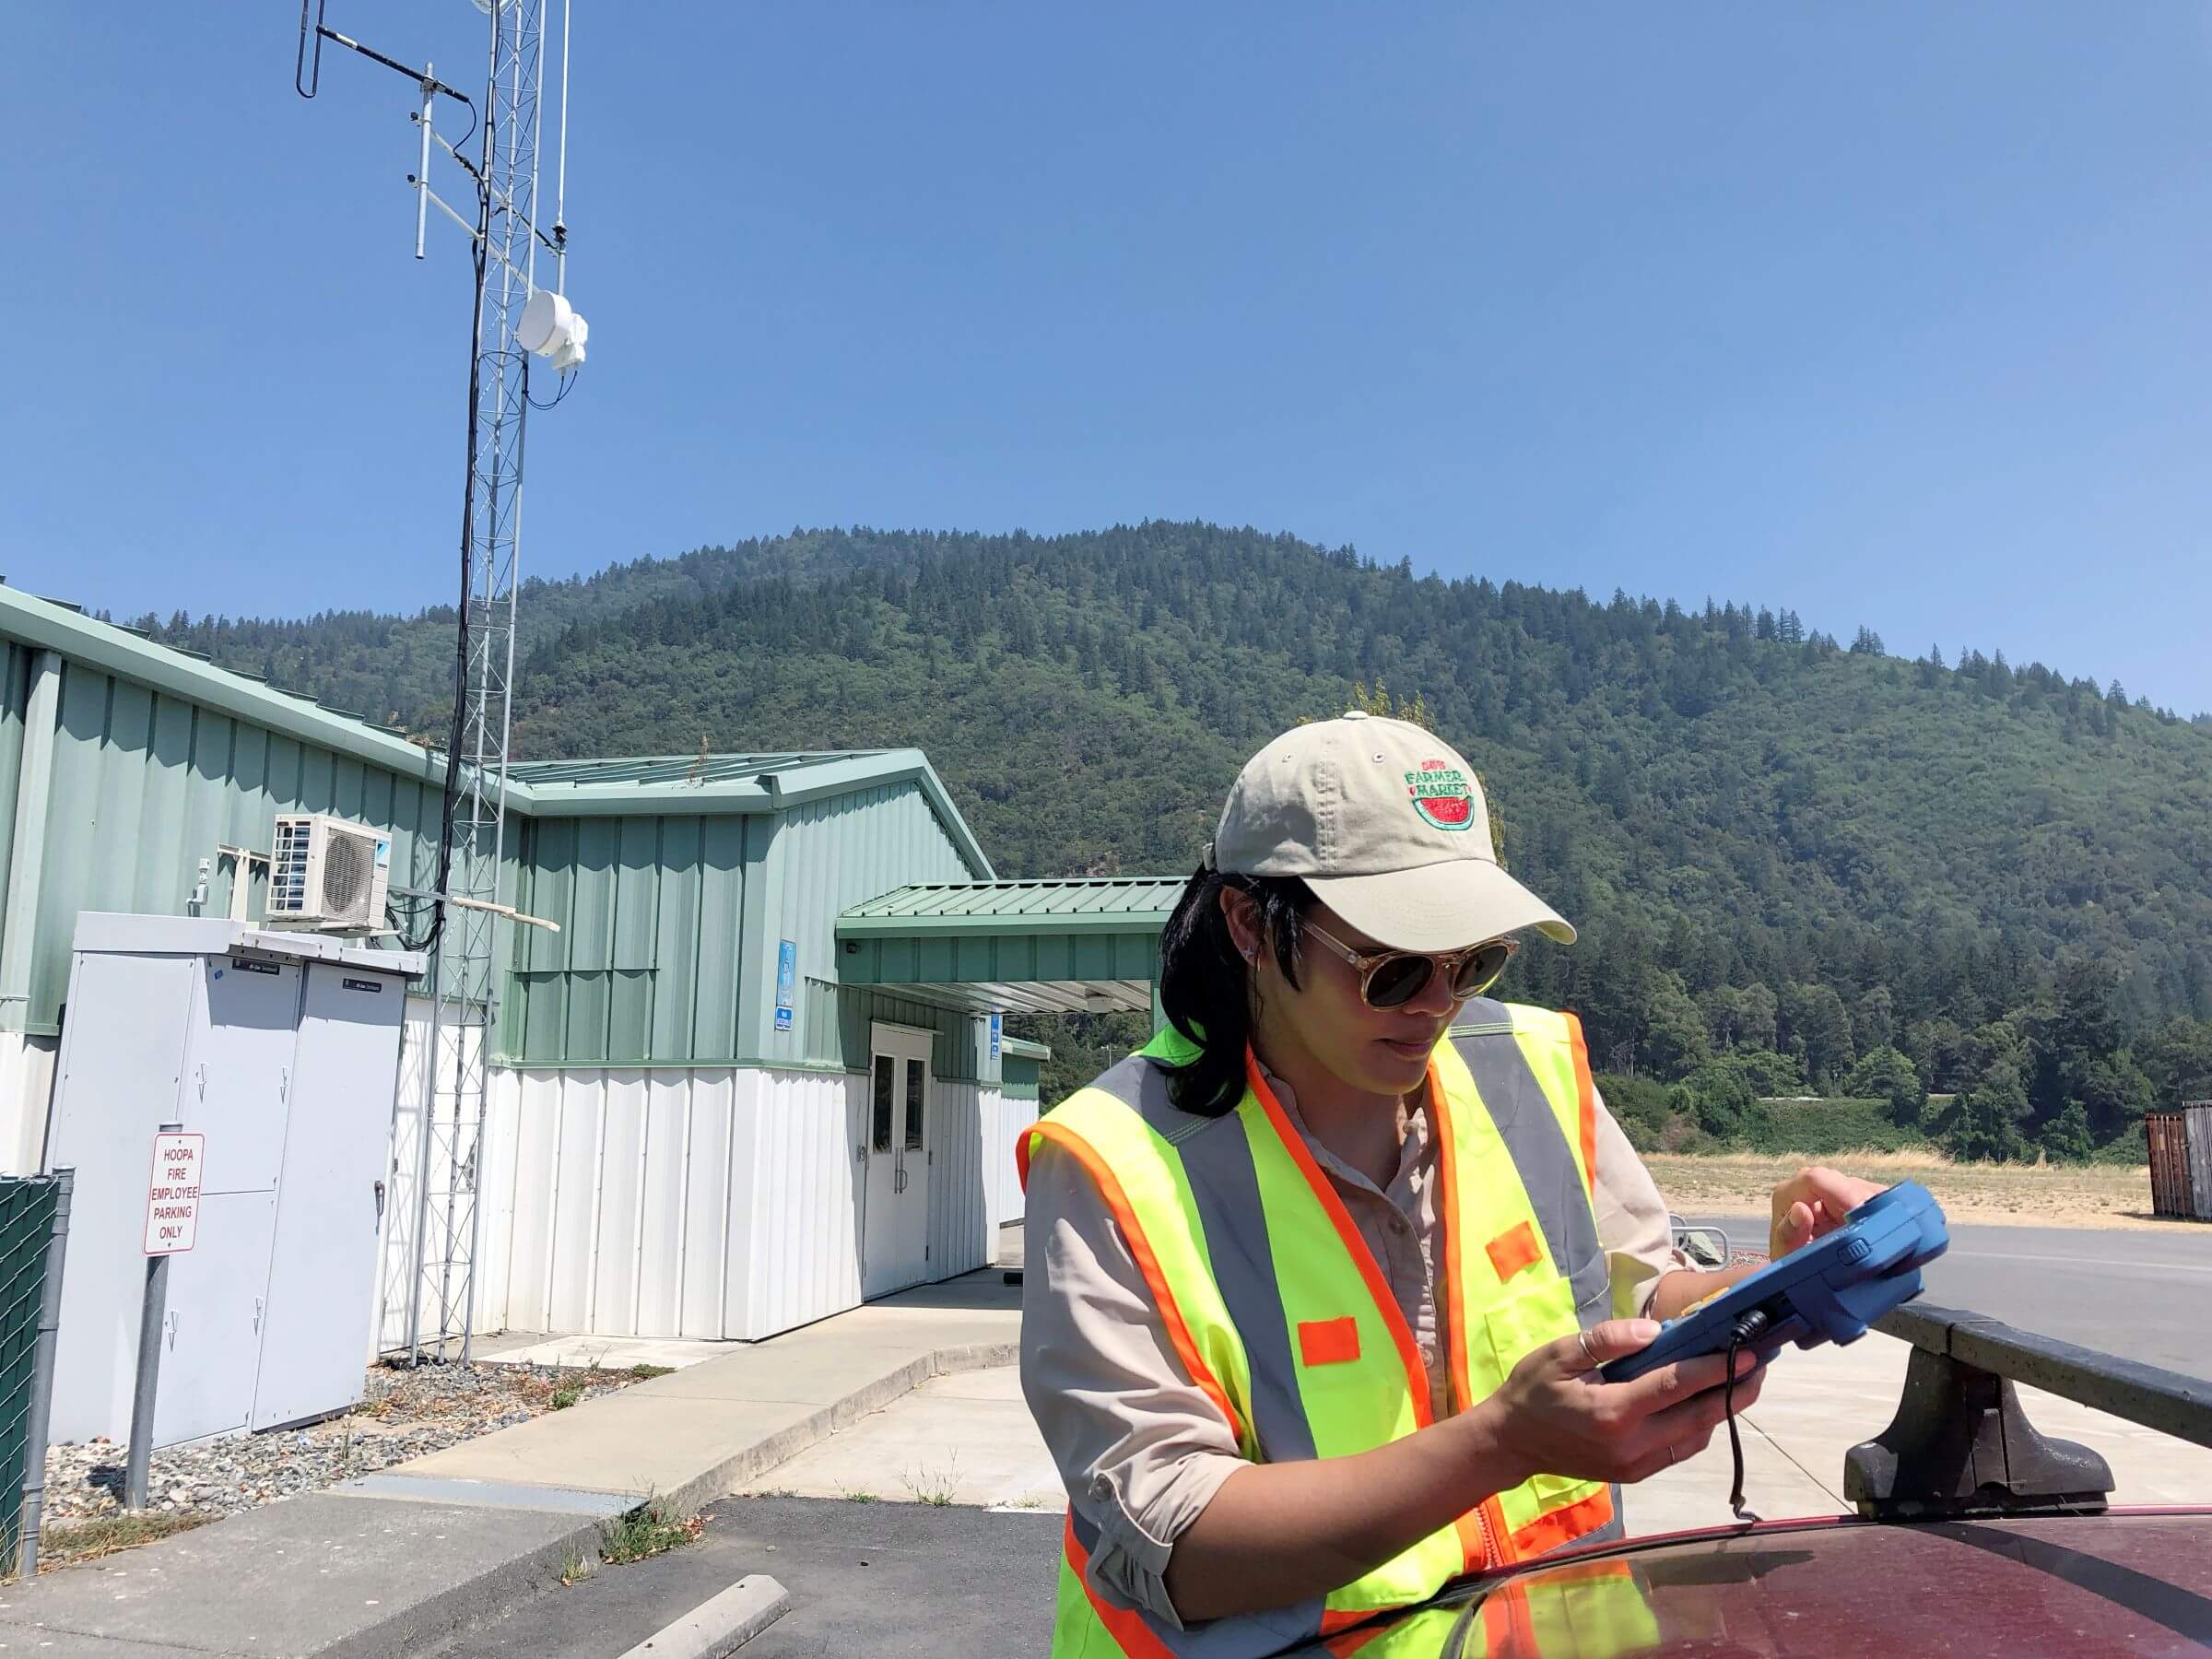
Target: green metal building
{"type": "Point", "coordinates": [756, 1075]}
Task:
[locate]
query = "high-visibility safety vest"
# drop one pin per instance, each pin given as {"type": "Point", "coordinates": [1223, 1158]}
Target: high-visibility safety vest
{"type": "Point", "coordinates": [1283, 1318]}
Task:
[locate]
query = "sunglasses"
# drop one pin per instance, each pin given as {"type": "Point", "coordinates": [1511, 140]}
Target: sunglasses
{"type": "Point", "coordinates": [1391, 979]}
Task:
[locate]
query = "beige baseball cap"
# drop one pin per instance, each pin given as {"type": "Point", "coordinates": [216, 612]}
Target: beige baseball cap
{"type": "Point", "coordinates": [1388, 826]}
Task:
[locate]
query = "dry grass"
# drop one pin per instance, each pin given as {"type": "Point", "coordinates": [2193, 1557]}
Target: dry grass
{"type": "Point", "coordinates": [63, 1542]}
{"type": "Point", "coordinates": [2020, 1195]}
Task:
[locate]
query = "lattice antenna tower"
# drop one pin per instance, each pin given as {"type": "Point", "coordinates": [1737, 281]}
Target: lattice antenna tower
{"type": "Point", "coordinates": [514, 320]}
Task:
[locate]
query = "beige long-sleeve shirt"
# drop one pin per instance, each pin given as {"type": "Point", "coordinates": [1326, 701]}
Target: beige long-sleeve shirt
{"type": "Point", "coordinates": [1140, 1448]}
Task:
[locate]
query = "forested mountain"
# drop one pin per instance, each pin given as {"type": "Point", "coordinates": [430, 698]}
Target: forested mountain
{"type": "Point", "coordinates": [1796, 865]}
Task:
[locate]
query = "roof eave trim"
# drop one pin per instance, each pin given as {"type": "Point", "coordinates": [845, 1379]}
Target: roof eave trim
{"type": "Point", "coordinates": [1148, 923]}
{"type": "Point", "coordinates": [41, 624]}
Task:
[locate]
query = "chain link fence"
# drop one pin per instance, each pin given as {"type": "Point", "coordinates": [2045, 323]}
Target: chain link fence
{"type": "Point", "coordinates": [34, 1227]}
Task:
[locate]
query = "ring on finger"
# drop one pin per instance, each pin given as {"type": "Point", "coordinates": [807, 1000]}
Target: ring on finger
{"type": "Point", "coordinates": [1583, 1337]}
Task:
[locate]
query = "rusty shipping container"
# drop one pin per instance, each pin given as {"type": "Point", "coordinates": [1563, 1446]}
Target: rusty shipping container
{"type": "Point", "coordinates": [2181, 1161]}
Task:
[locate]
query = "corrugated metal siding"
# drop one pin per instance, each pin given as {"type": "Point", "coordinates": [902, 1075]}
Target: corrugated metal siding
{"type": "Point", "coordinates": [702, 1203]}
{"type": "Point", "coordinates": [27, 1066]}
{"type": "Point", "coordinates": [958, 1224]}
{"type": "Point", "coordinates": [649, 963]}
{"type": "Point", "coordinates": [14, 693]}
{"type": "Point", "coordinates": [830, 855]}
{"type": "Point", "coordinates": [146, 784]}
{"type": "Point", "coordinates": [2181, 1161]}
{"type": "Point", "coordinates": [1005, 1118]}
{"type": "Point", "coordinates": [802, 1248]}
{"type": "Point", "coordinates": [1017, 1077]}
{"type": "Point", "coordinates": [839, 1019]}
{"type": "Point", "coordinates": [718, 1202]}
{"type": "Point", "coordinates": [974, 1184]}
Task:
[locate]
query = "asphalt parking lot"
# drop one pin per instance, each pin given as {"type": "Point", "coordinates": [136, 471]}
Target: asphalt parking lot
{"type": "Point", "coordinates": [874, 1578]}
{"type": "Point", "coordinates": [2141, 1295]}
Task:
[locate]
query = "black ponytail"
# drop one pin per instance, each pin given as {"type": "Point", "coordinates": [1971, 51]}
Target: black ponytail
{"type": "Point", "coordinates": [1205, 986]}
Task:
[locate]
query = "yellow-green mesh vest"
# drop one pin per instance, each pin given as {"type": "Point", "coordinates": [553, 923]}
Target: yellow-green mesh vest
{"type": "Point", "coordinates": [1281, 1314]}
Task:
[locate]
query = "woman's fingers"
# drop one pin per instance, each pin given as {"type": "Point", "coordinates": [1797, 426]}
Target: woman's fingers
{"type": "Point", "coordinates": [1668, 1383]}
{"type": "Point", "coordinates": [1614, 1340]}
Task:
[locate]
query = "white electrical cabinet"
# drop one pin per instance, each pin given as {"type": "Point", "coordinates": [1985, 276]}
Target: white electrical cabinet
{"type": "Point", "coordinates": [282, 1050]}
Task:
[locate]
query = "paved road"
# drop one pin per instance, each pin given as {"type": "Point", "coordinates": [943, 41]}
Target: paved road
{"type": "Point", "coordinates": [885, 1579]}
{"type": "Point", "coordinates": [2145, 1295]}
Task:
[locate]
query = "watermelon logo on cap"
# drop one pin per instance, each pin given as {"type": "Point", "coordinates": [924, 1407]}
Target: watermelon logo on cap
{"type": "Point", "coordinates": [1441, 794]}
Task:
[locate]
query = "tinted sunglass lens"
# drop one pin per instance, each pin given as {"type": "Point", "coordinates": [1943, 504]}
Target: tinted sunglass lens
{"type": "Point", "coordinates": [1476, 973]}
{"type": "Point", "coordinates": [1398, 981]}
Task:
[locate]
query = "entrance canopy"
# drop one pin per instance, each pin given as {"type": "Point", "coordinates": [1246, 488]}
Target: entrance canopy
{"type": "Point", "coordinates": [1076, 947]}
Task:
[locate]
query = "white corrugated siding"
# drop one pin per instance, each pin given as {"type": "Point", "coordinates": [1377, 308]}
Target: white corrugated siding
{"type": "Point", "coordinates": [802, 1260]}
{"type": "Point", "coordinates": [973, 1182]}
{"type": "Point", "coordinates": [27, 1066]}
{"type": "Point", "coordinates": [719, 1203]}
{"type": "Point", "coordinates": [1003, 1122]}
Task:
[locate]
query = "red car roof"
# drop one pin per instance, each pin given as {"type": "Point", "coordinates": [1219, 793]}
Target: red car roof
{"type": "Point", "coordinates": [2134, 1581]}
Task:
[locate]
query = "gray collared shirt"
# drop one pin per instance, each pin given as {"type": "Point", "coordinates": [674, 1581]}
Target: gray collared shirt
{"type": "Point", "coordinates": [1140, 1448]}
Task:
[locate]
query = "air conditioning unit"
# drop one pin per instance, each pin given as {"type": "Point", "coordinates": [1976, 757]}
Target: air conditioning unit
{"type": "Point", "coordinates": [328, 874]}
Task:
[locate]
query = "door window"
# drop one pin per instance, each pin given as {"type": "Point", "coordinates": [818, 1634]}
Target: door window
{"type": "Point", "coordinates": [916, 1081]}
{"type": "Point", "coordinates": [880, 1131]}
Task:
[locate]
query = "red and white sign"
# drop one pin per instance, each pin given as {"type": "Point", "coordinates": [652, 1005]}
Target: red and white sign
{"type": "Point", "coordinates": [172, 1197]}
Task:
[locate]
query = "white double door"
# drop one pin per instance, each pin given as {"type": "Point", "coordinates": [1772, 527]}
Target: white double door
{"type": "Point", "coordinates": [894, 1217]}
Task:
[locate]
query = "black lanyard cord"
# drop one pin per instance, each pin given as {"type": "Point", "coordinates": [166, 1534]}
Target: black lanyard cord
{"type": "Point", "coordinates": [1746, 1329]}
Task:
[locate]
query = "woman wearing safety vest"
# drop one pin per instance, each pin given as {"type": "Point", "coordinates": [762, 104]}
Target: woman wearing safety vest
{"type": "Point", "coordinates": [1318, 1280]}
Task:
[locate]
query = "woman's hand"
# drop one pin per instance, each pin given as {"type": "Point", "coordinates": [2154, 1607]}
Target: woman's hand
{"type": "Point", "coordinates": [1811, 1203]}
{"type": "Point", "coordinates": [1555, 1416]}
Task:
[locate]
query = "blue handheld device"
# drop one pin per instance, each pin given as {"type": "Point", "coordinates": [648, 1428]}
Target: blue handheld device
{"type": "Point", "coordinates": [1829, 1291]}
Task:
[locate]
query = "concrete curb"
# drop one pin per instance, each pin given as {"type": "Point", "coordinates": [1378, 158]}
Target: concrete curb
{"type": "Point", "coordinates": [726, 1477]}
{"type": "Point", "coordinates": [493, 1593]}
{"type": "Point", "coordinates": [720, 1624]}
{"type": "Point", "coordinates": [464, 1607]}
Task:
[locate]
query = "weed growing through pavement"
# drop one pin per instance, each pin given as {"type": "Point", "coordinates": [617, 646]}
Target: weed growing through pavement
{"type": "Point", "coordinates": [650, 1529]}
{"type": "Point", "coordinates": [856, 1494]}
{"type": "Point", "coordinates": [575, 1567]}
{"type": "Point", "coordinates": [565, 1398]}
{"type": "Point", "coordinates": [646, 1373]}
{"type": "Point", "coordinates": [773, 1492]}
{"type": "Point", "coordinates": [935, 1487]}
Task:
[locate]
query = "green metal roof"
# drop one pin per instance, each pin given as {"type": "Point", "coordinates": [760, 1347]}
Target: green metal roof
{"type": "Point", "coordinates": [675, 769]}
{"type": "Point", "coordinates": [1101, 904]}
{"type": "Point", "coordinates": [657, 785]}
{"type": "Point", "coordinates": [1080, 945]}
{"type": "Point", "coordinates": [58, 626]}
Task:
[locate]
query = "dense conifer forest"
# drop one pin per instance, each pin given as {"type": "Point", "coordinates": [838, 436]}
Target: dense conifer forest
{"type": "Point", "coordinates": [1799, 866]}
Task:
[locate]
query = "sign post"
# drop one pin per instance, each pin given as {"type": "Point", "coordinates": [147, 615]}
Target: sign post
{"type": "Point", "coordinates": [172, 1226]}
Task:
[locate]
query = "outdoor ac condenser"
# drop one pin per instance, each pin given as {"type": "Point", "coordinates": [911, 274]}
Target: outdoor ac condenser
{"type": "Point", "coordinates": [329, 874]}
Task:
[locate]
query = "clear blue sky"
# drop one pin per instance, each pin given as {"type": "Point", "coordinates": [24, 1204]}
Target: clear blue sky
{"type": "Point", "coordinates": [1895, 314]}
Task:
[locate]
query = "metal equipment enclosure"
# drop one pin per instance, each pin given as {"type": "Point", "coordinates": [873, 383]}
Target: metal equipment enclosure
{"type": "Point", "coordinates": [2181, 1161]}
{"type": "Point", "coordinates": [281, 1049]}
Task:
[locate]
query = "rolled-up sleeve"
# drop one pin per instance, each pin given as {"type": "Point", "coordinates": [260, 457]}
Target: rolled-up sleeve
{"type": "Point", "coordinates": [1140, 1448]}
{"type": "Point", "coordinates": [1631, 1220]}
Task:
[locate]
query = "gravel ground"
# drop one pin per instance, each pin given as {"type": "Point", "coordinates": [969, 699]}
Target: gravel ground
{"type": "Point", "coordinates": [404, 1414]}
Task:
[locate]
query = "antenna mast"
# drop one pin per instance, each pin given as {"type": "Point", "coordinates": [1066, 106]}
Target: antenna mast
{"type": "Point", "coordinates": [514, 319]}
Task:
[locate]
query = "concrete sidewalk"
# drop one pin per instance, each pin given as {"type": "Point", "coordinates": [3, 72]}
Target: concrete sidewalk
{"type": "Point", "coordinates": [969, 1440]}
{"type": "Point", "coordinates": [388, 1563]}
